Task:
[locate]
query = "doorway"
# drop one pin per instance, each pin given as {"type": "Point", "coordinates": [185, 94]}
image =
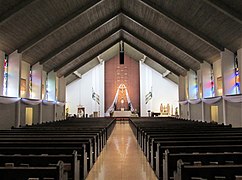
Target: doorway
{"type": "Point", "coordinates": [29, 115]}
{"type": "Point", "coordinates": [214, 114]}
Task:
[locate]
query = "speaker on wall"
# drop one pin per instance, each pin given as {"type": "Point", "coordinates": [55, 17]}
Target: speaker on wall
{"type": "Point", "coordinates": [121, 53]}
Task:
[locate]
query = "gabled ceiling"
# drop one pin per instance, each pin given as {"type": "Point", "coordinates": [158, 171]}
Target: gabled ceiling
{"type": "Point", "coordinates": [114, 51]}
{"type": "Point", "coordinates": [66, 36]}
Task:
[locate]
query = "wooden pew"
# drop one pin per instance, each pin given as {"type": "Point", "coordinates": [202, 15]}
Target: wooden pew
{"type": "Point", "coordinates": [190, 149]}
{"type": "Point", "coordinates": [185, 172]}
{"type": "Point", "coordinates": [43, 160]}
{"type": "Point", "coordinates": [170, 160]}
{"type": "Point", "coordinates": [22, 173]}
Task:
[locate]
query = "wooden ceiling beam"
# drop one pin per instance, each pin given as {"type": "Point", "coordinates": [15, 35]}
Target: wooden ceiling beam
{"type": "Point", "coordinates": [184, 25]}
{"type": "Point", "coordinates": [225, 9]}
{"type": "Point", "coordinates": [87, 48]}
{"type": "Point", "coordinates": [163, 36]}
{"type": "Point", "coordinates": [23, 48]}
{"type": "Point", "coordinates": [100, 24]}
{"type": "Point", "coordinates": [160, 50]}
{"type": "Point", "coordinates": [92, 57]}
{"type": "Point", "coordinates": [6, 15]}
{"type": "Point", "coordinates": [138, 48]}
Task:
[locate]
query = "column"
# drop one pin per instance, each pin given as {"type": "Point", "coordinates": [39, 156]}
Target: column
{"type": "Point", "coordinates": [18, 114]}
{"type": "Point", "coordinates": [62, 89]}
{"type": "Point", "coordinates": [25, 69]}
{"type": "Point", "coordinates": [217, 70]}
{"type": "Point", "coordinates": [37, 81]}
{"type": "Point", "coordinates": [44, 77]}
{"type": "Point", "coordinates": [206, 79]}
{"type": "Point", "coordinates": [51, 86]}
{"type": "Point", "coordinates": [199, 83]}
{"type": "Point", "coordinates": [14, 74]}
{"type": "Point", "coordinates": [40, 113]}
{"type": "Point", "coordinates": [192, 85]}
{"type": "Point", "coordinates": [228, 77]}
{"type": "Point", "coordinates": [2, 57]}
{"type": "Point", "coordinates": [239, 54]}
{"type": "Point", "coordinates": [182, 94]}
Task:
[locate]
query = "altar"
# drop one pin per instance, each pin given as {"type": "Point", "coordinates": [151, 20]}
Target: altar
{"type": "Point", "coordinates": [122, 113]}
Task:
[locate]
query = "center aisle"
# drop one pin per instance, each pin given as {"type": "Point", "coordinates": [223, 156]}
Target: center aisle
{"type": "Point", "coordinates": [122, 158]}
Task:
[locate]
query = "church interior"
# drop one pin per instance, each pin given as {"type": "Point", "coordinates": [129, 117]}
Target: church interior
{"type": "Point", "coordinates": [120, 89]}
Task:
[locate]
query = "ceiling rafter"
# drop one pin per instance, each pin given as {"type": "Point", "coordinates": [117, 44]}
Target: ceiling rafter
{"type": "Point", "coordinates": [114, 31]}
{"type": "Point", "coordinates": [150, 56]}
{"type": "Point", "coordinates": [219, 5]}
{"type": "Point", "coordinates": [5, 16]}
{"type": "Point", "coordinates": [23, 48]}
{"type": "Point", "coordinates": [100, 24]}
{"type": "Point", "coordinates": [184, 25]}
{"type": "Point", "coordinates": [157, 48]}
{"type": "Point", "coordinates": [163, 36]}
{"type": "Point", "coordinates": [92, 57]}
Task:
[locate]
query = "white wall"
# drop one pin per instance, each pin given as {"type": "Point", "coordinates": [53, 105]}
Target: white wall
{"type": "Point", "coordinates": [2, 56]}
{"type": "Point", "coordinates": [25, 69]}
{"type": "Point", "coordinates": [14, 66]}
{"type": "Point", "coordinates": [79, 92]}
{"type": "Point", "coordinates": [163, 90]}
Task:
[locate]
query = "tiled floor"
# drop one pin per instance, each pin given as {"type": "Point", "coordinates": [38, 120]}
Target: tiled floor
{"type": "Point", "coordinates": [122, 158]}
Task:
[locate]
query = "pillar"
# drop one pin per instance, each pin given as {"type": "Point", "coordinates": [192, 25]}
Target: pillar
{"type": "Point", "coordinates": [62, 89]}
{"type": "Point", "coordinates": [43, 87]}
{"type": "Point", "coordinates": [199, 83]}
{"type": "Point", "coordinates": [206, 79]}
{"type": "Point", "coordinates": [192, 85]}
{"type": "Point", "coordinates": [182, 94]}
{"type": "Point", "coordinates": [217, 70]}
{"type": "Point", "coordinates": [51, 86]}
{"type": "Point", "coordinates": [37, 81]}
{"type": "Point", "coordinates": [239, 54]}
{"type": "Point", "coordinates": [18, 114]}
{"type": "Point", "coordinates": [2, 57]}
{"type": "Point", "coordinates": [228, 75]}
{"type": "Point", "coordinates": [14, 74]}
{"type": "Point", "coordinates": [25, 69]}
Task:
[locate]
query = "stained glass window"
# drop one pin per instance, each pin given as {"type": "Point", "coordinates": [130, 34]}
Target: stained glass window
{"type": "Point", "coordinates": [5, 78]}
{"type": "Point", "coordinates": [237, 76]}
{"type": "Point", "coordinates": [30, 83]}
{"type": "Point", "coordinates": [212, 82]}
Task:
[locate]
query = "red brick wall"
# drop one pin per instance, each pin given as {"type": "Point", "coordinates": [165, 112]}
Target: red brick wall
{"type": "Point", "coordinates": [127, 74]}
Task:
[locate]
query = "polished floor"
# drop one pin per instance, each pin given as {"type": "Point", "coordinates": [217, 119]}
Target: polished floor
{"type": "Point", "coordinates": [122, 158]}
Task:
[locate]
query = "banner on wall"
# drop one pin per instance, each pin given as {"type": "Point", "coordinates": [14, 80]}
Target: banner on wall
{"type": "Point", "coordinates": [32, 102]}
{"type": "Point", "coordinates": [194, 101]}
{"type": "Point", "coordinates": [183, 102]}
{"type": "Point", "coordinates": [8, 100]}
{"type": "Point", "coordinates": [211, 100]}
{"type": "Point", "coordinates": [233, 98]}
{"type": "Point", "coordinates": [95, 97]}
{"type": "Point", "coordinates": [148, 96]}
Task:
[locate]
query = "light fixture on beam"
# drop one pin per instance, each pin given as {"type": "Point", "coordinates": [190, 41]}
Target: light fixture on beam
{"type": "Point", "coordinates": [77, 74]}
